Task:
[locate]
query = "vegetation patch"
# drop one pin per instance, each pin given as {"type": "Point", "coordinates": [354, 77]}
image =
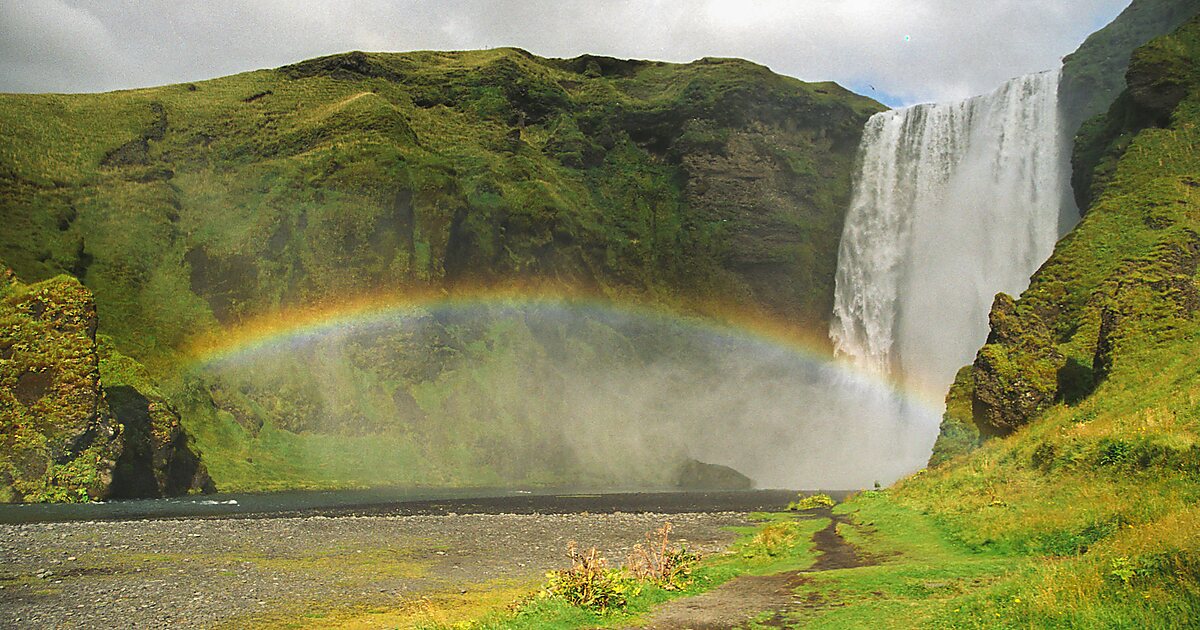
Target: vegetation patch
{"type": "Point", "coordinates": [812, 502]}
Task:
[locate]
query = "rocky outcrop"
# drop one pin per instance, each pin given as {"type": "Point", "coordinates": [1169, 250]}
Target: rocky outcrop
{"type": "Point", "coordinates": [697, 475]}
{"type": "Point", "coordinates": [1095, 75]}
{"type": "Point", "coordinates": [158, 459]}
{"type": "Point", "coordinates": [60, 441]}
{"type": "Point", "coordinates": [64, 434]}
{"type": "Point", "coordinates": [1015, 373]}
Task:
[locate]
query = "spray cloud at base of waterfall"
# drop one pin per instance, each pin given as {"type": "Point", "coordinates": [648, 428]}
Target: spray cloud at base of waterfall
{"type": "Point", "coordinates": [954, 202]}
{"type": "Point", "coordinates": [556, 393]}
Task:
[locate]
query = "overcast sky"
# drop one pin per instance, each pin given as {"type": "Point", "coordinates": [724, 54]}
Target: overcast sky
{"type": "Point", "coordinates": [898, 51]}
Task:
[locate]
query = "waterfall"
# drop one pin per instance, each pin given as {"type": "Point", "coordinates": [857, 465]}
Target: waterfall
{"type": "Point", "coordinates": [954, 203]}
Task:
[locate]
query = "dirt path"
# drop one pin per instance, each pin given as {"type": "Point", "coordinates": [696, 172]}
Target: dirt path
{"type": "Point", "coordinates": [835, 552]}
{"type": "Point", "coordinates": [200, 573]}
{"type": "Point", "coordinates": [735, 603]}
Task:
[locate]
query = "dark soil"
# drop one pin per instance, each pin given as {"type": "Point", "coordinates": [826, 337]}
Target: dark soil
{"type": "Point", "coordinates": [835, 552]}
{"type": "Point", "coordinates": [732, 604]}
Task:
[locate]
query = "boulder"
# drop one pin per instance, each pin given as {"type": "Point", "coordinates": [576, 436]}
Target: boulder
{"type": "Point", "coordinates": [1015, 375]}
{"type": "Point", "coordinates": [59, 440]}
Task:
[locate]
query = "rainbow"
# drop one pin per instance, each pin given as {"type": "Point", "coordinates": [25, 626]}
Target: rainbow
{"type": "Point", "coordinates": [289, 327]}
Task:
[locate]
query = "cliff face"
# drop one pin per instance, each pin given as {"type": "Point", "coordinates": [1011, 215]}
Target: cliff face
{"type": "Point", "coordinates": [193, 206]}
{"type": "Point", "coordinates": [1094, 75]}
{"type": "Point", "coordinates": [64, 437]}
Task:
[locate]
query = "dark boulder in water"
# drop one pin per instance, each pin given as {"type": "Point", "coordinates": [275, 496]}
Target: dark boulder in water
{"type": "Point", "coordinates": [697, 475]}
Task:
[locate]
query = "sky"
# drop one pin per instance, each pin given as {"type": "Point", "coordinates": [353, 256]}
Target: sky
{"type": "Point", "coordinates": [897, 51]}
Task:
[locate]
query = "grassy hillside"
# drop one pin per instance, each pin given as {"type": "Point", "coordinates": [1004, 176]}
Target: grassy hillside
{"type": "Point", "coordinates": [1090, 384]}
{"type": "Point", "coordinates": [1094, 75]}
{"type": "Point", "coordinates": [190, 209]}
{"type": "Point", "coordinates": [191, 206]}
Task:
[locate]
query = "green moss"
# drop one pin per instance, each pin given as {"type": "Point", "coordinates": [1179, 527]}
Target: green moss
{"type": "Point", "coordinates": [58, 439]}
{"type": "Point", "coordinates": [958, 434]}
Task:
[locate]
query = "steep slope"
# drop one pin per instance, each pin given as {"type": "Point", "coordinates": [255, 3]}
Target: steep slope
{"type": "Point", "coordinates": [193, 210]}
{"type": "Point", "coordinates": [1093, 76]}
{"type": "Point", "coordinates": [1089, 385]}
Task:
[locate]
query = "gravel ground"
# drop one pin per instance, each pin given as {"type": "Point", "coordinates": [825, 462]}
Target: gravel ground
{"type": "Point", "coordinates": [204, 572]}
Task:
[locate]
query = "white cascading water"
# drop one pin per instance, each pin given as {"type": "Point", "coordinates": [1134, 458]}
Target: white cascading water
{"type": "Point", "coordinates": [954, 203]}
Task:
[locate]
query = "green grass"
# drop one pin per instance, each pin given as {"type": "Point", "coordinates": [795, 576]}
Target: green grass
{"type": "Point", "coordinates": [749, 556]}
{"type": "Point", "coordinates": [930, 571]}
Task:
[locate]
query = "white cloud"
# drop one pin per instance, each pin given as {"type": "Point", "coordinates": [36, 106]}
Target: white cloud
{"type": "Point", "coordinates": [954, 48]}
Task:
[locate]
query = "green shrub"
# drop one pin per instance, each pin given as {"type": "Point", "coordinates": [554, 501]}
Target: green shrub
{"type": "Point", "coordinates": [589, 582]}
{"type": "Point", "coordinates": [812, 502]}
{"type": "Point", "coordinates": [772, 540]}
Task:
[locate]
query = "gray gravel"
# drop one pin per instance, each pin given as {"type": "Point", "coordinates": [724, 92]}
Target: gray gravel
{"type": "Point", "coordinates": [204, 573]}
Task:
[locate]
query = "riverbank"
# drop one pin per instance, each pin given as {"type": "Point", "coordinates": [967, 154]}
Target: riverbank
{"type": "Point", "coordinates": [201, 573]}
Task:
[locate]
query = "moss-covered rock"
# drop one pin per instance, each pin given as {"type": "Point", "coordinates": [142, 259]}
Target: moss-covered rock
{"type": "Point", "coordinates": [958, 434]}
{"type": "Point", "coordinates": [72, 428]}
{"type": "Point", "coordinates": [696, 475]}
{"type": "Point", "coordinates": [1016, 374]}
{"type": "Point", "coordinates": [59, 441]}
{"type": "Point", "coordinates": [705, 187]}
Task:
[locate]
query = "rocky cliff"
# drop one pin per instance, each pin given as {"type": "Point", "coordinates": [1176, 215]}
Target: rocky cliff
{"type": "Point", "coordinates": [1094, 75]}
{"type": "Point", "coordinates": [66, 435]}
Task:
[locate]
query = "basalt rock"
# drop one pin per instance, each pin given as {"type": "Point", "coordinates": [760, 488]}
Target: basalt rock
{"type": "Point", "coordinates": [1016, 374]}
{"type": "Point", "coordinates": [157, 459]}
{"type": "Point", "coordinates": [64, 434]}
{"type": "Point", "coordinates": [59, 439]}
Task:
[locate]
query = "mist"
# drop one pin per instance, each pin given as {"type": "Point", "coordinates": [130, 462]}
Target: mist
{"type": "Point", "coordinates": [565, 395]}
